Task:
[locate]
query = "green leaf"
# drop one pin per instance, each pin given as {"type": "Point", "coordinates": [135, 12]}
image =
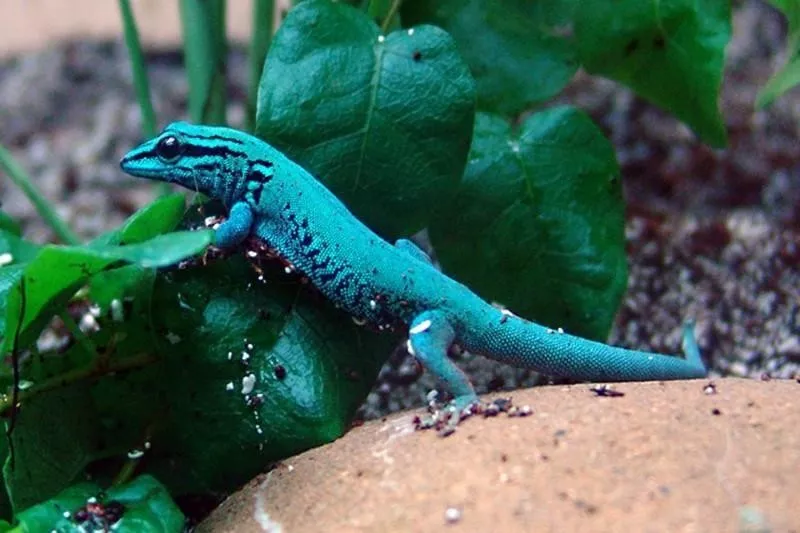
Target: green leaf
{"type": "Point", "coordinates": [53, 276]}
{"type": "Point", "coordinates": [146, 508]}
{"type": "Point", "coordinates": [52, 440]}
{"type": "Point", "coordinates": [670, 52]}
{"type": "Point", "coordinates": [205, 50]}
{"type": "Point", "coordinates": [312, 368]}
{"type": "Point", "coordinates": [537, 223]}
{"type": "Point", "coordinates": [520, 52]}
{"type": "Point", "coordinates": [9, 225]}
{"type": "Point", "coordinates": [161, 216]}
{"type": "Point", "coordinates": [16, 254]}
{"type": "Point", "coordinates": [789, 75]}
{"type": "Point", "coordinates": [182, 346]}
{"type": "Point", "coordinates": [385, 122]}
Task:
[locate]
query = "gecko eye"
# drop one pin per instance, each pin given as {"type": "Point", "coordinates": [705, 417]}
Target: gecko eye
{"type": "Point", "coordinates": [168, 149]}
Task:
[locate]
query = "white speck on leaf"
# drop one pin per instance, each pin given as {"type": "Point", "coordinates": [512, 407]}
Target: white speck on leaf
{"type": "Point", "coordinates": [6, 259]}
{"type": "Point", "coordinates": [248, 382]}
{"type": "Point", "coordinates": [381, 38]}
{"type": "Point", "coordinates": [117, 312]}
{"type": "Point", "coordinates": [229, 386]}
{"type": "Point", "coordinates": [173, 338]}
{"type": "Point", "coordinates": [135, 454]}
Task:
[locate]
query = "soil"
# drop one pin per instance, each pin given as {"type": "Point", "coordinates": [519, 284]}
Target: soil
{"type": "Point", "coordinates": [713, 235]}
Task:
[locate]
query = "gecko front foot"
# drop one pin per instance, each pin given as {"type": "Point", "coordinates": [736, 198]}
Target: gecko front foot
{"type": "Point", "coordinates": [444, 418]}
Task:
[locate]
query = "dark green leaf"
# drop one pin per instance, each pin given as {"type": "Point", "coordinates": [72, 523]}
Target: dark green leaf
{"type": "Point", "coordinates": [311, 365]}
{"type": "Point", "coordinates": [789, 75]}
{"type": "Point", "coordinates": [537, 224]}
{"type": "Point", "coordinates": [670, 52]}
{"type": "Point", "coordinates": [53, 439]}
{"type": "Point", "coordinates": [9, 225]}
{"type": "Point", "coordinates": [384, 122]}
{"type": "Point", "coordinates": [520, 52]}
{"type": "Point", "coordinates": [161, 216]}
{"type": "Point", "coordinates": [312, 368]}
{"type": "Point", "coordinates": [147, 508]}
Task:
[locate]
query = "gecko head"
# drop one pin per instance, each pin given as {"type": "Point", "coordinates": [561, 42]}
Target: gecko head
{"type": "Point", "coordinates": [166, 157]}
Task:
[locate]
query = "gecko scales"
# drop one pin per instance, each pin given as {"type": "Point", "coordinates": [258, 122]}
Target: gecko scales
{"type": "Point", "coordinates": [275, 200]}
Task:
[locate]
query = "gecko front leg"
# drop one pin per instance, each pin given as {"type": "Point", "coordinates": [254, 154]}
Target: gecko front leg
{"type": "Point", "coordinates": [236, 228]}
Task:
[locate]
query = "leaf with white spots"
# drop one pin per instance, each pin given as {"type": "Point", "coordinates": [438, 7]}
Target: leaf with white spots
{"type": "Point", "coordinates": [537, 223]}
{"type": "Point", "coordinates": [383, 121]}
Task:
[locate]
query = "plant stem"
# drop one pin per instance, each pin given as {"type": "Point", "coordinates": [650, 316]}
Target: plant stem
{"type": "Point", "coordinates": [139, 69]}
{"type": "Point", "coordinates": [40, 203]}
{"type": "Point", "coordinates": [205, 51]}
{"type": "Point", "coordinates": [77, 334]}
{"type": "Point", "coordinates": [99, 368]}
{"type": "Point", "coordinates": [263, 21]}
{"type": "Point", "coordinates": [387, 22]}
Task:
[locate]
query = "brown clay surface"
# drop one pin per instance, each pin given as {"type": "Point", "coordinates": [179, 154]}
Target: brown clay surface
{"type": "Point", "coordinates": [656, 459]}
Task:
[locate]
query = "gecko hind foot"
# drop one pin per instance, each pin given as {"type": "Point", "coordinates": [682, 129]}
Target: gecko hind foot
{"type": "Point", "coordinates": [445, 418]}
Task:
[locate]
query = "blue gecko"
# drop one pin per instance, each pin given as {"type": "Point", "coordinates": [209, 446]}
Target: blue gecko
{"type": "Point", "coordinates": [275, 200]}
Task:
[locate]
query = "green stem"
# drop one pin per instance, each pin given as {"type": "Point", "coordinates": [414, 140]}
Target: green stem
{"type": "Point", "coordinates": [99, 368]}
{"type": "Point", "coordinates": [77, 334]}
{"type": "Point", "coordinates": [205, 54]}
{"type": "Point", "coordinates": [40, 203]}
{"type": "Point", "coordinates": [263, 21]}
{"type": "Point", "coordinates": [387, 22]}
{"type": "Point", "coordinates": [140, 82]}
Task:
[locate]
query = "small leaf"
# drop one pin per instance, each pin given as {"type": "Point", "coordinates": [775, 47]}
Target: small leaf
{"type": "Point", "coordinates": [54, 275]}
{"type": "Point", "coordinates": [789, 75]}
{"type": "Point", "coordinates": [537, 224]}
{"type": "Point", "coordinates": [384, 121]}
{"type": "Point", "coordinates": [144, 506]}
{"type": "Point", "coordinates": [161, 216]}
{"type": "Point", "coordinates": [16, 253]}
{"type": "Point", "coordinates": [9, 225]}
{"type": "Point", "coordinates": [520, 52]}
{"type": "Point", "coordinates": [671, 53]}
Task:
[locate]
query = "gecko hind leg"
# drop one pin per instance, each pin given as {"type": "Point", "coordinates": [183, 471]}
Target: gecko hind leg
{"type": "Point", "coordinates": [429, 340]}
{"type": "Point", "coordinates": [413, 250]}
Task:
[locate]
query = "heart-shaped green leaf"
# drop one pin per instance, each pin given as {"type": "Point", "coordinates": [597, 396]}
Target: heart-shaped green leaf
{"type": "Point", "coordinates": [537, 223]}
{"type": "Point", "coordinates": [384, 121]}
{"type": "Point", "coordinates": [520, 52]}
{"type": "Point", "coordinates": [670, 52]}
